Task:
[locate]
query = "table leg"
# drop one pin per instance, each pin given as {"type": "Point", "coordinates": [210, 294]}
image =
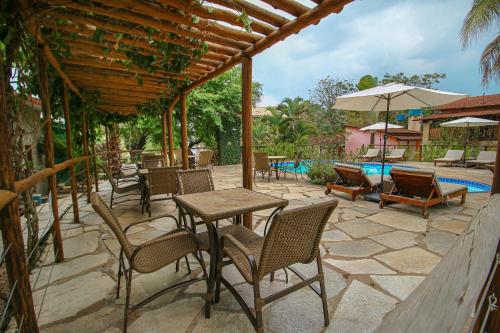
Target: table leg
{"type": "Point", "coordinates": [214, 257]}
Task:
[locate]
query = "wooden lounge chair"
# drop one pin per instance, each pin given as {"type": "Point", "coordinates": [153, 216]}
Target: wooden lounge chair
{"type": "Point", "coordinates": [371, 154]}
{"type": "Point", "coordinates": [352, 180]}
{"type": "Point", "coordinates": [293, 237]}
{"type": "Point", "coordinates": [396, 155]}
{"type": "Point", "coordinates": [484, 158]}
{"type": "Point", "coordinates": [261, 164]}
{"type": "Point", "coordinates": [452, 156]}
{"type": "Point", "coordinates": [421, 188]}
{"type": "Point", "coordinates": [160, 181]}
{"type": "Point", "coordinates": [149, 256]}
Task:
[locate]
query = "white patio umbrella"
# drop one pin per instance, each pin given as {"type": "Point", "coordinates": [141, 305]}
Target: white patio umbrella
{"type": "Point", "coordinates": [468, 122]}
{"type": "Point", "coordinates": [393, 97]}
{"type": "Point", "coordinates": [376, 127]}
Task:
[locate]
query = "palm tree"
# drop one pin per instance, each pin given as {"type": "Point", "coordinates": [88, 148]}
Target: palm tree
{"type": "Point", "coordinates": [483, 15]}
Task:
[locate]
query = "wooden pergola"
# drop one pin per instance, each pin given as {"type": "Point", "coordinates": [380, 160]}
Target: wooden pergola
{"type": "Point", "coordinates": [204, 39]}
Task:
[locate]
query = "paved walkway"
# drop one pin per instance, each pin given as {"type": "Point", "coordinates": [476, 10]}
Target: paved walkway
{"type": "Point", "coordinates": [373, 260]}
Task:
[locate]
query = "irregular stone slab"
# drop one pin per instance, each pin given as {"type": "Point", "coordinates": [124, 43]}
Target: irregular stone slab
{"type": "Point", "coordinates": [361, 228]}
{"type": "Point", "coordinates": [399, 286]}
{"type": "Point", "coordinates": [98, 321]}
{"type": "Point", "coordinates": [301, 311]}
{"type": "Point", "coordinates": [92, 219]}
{"type": "Point", "coordinates": [457, 227]}
{"type": "Point", "coordinates": [334, 282]}
{"type": "Point", "coordinates": [400, 220]}
{"type": "Point", "coordinates": [293, 196]}
{"type": "Point", "coordinates": [175, 317]}
{"type": "Point", "coordinates": [361, 266]}
{"type": "Point", "coordinates": [397, 239]}
{"type": "Point", "coordinates": [221, 321]}
{"type": "Point", "coordinates": [354, 248]}
{"type": "Point", "coordinates": [67, 299]}
{"type": "Point", "coordinates": [439, 241]}
{"type": "Point", "coordinates": [334, 236]}
{"type": "Point", "coordinates": [361, 309]}
{"type": "Point", "coordinates": [67, 268]}
{"type": "Point", "coordinates": [410, 260]}
{"type": "Point", "coordinates": [83, 244]}
{"type": "Point", "coordinates": [351, 214]}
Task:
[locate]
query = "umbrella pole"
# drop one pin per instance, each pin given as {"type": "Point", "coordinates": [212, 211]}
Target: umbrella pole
{"type": "Point", "coordinates": [465, 143]}
{"type": "Point", "coordinates": [385, 143]}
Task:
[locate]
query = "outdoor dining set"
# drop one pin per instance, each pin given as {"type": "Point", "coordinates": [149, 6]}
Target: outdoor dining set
{"type": "Point", "coordinates": [290, 236]}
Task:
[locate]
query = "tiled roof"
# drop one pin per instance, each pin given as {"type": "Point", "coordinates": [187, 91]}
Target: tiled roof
{"type": "Point", "coordinates": [477, 113]}
{"type": "Point", "coordinates": [471, 102]}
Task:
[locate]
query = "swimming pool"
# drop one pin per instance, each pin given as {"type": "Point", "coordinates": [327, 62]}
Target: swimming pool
{"type": "Point", "coordinates": [376, 169]}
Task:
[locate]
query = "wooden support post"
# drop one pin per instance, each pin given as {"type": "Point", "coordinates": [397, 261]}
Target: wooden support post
{"type": "Point", "coordinates": [69, 151]}
{"type": "Point", "coordinates": [94, 168]}
{"type": "Point", "coordinates": [10, 224]}
{"type": "Point", "coordinates": [43, 73]}
{"type": "Point", "coordinates": [246, 124]}
{"type": "Point", "coordinates": [184, 131]}
{"type": "Point", "coordinates": [164, 136]}
{"type": "Point", "coordinates": [86, 153]}
{"type": "Point", "coordinates": [495, 188]}
{"type": "Point", "coordinates": [108, 159]}
{"type": "Point", "coordinates": [170, 126]}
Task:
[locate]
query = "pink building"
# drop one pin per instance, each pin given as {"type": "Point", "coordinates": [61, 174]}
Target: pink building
{"type": "Point", "coordinates": [356, 139]}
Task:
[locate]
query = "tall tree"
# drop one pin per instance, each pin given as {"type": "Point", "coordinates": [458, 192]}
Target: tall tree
{"type": "Point", "coordinates": [367, 82]}
{"type": "Point", "coordinates": [326, 119]}
{"type": "Point", "coordinates": [423, 80]}
{"type": "Point", "coordinates": [484, 15]}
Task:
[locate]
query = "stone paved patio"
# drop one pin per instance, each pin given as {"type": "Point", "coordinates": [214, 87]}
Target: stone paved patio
{"type": "Point", "coordinates": [373, 260]}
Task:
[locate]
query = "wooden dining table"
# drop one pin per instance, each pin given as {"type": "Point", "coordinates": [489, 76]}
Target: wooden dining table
{"type": "Point", "coordinates": [224, 204]}
{"type": "Point", "coordinates": [277, 159]}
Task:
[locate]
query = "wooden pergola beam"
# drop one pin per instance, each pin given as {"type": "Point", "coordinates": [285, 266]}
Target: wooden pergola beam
{"type": "Point", "coordinates": [290, 6]}
{"type": "Point", "coordinates": [217, 14]}
{"type": "Point", "coordinates": [254, 11]}
{"type": "Point", "coordinates": [184, 131]}
{"type": "Point", "coordinates": [246, 133]}
{"type": "Point", "coordinates": [290, 28]}
{"type": "Point", "coordinates": [170, 127]}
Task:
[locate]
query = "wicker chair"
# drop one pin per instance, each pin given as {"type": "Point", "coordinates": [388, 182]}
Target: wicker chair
{"type": "Point", "coordinates": [205, 159]}
{"type": "Point", "coordinates": [295, 168]}
{"type": "Point", "coordinates": [149, 256]}
{"type": "Point", "coordinates": [261, 164]}
{"type": "Point", "coordinates": [156, 161]}
{"type": "Point", "coordinates": [178, 156]}
{"type": "Point", "coordinates": [121, 186]}
{"type": "Point", "coordinates": [293, 237]}
{"type": "Point", "coordinates": [160, 181]}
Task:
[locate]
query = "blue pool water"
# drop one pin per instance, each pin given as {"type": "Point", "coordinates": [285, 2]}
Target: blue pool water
{"type": "Point", "coordinates": [376, 169]}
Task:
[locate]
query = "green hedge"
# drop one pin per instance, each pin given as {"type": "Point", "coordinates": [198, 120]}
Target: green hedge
{"type": "Point", "coordinates": [229, 141]}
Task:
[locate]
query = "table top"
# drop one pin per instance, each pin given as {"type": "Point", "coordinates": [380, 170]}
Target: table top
{"type": "Point", "coordinates": [278, 157]}
{"type": "Point", "coordinates": [222, 204]}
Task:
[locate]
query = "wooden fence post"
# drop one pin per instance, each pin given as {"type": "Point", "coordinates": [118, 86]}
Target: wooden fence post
{"type": "Point", "coordinates": [94, 167]}
{"type": "Point", "coordinates": [246, 111]}
{"type": "Point", "coordinates": [10, 224]}
{"type": "Point", "coordinates": [69, 151]}
{"type": "Point", "coordinates": [43, 69]}
{"type": "Point", "coordinates": [86, 153]}
{"type": "Point", "coordinates": [184, 131]}
{"type": "Point", "coordinates": [108, 158]}
{"type": "Point", "coordinates": [495, 188]}
{"type": "Point", "coordinates": [164, 136]}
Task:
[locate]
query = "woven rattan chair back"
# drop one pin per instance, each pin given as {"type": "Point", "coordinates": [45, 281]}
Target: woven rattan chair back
{"type": "Point", "coordinates": [194, 181]}
{"type": "Point", "coordinates": [107, 215]}
{"type": "Point", "coordinates": [153, 163]}
{"type": "Point", "coordinates": [298, 159]}
{"type": "Point", "coordinates": [294, 237]}
{"type": "Point", "coordinates": [261, 161]}
{"type": "Point", "coordinates": [205, 158]}
{"type": "Point", "coordinates": [163, 180]}
{"type": "Point", "coordinates": [147, 156]}
{"type": "Point", "coordinates": [112, 180]}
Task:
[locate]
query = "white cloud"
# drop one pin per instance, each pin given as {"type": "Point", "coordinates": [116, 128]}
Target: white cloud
{"type": "Point", "coordinates": [268, 100]}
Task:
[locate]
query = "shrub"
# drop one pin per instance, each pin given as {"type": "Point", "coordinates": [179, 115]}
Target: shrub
{"type": "Point", "coordinates": [321, 172]}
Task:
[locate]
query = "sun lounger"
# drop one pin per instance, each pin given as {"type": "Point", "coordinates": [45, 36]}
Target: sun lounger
{"type": "Point", "coordinates": [452, 156]}
{"type": "Point", "coordinates": [352, 180]}
{"type": "Point", "coordinates": [421, 188]}
{"type": "Point", "coordinates": [484, 158]}
{"type": "Point", "coordinates": [396, 155]}
{"type": "Point", "coordinates": [371, 154]}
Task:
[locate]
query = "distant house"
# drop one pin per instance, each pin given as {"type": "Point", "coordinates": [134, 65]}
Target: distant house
{"type": "Point", "coordinates": [260, 111]}
{"type": "Point", "coordinates": [485, 106]}
{"type": "Point", "coordinates": [355, 139]}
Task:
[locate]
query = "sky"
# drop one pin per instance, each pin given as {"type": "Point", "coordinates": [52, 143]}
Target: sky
{"type": "Point", "coordinates": [376, 37]}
